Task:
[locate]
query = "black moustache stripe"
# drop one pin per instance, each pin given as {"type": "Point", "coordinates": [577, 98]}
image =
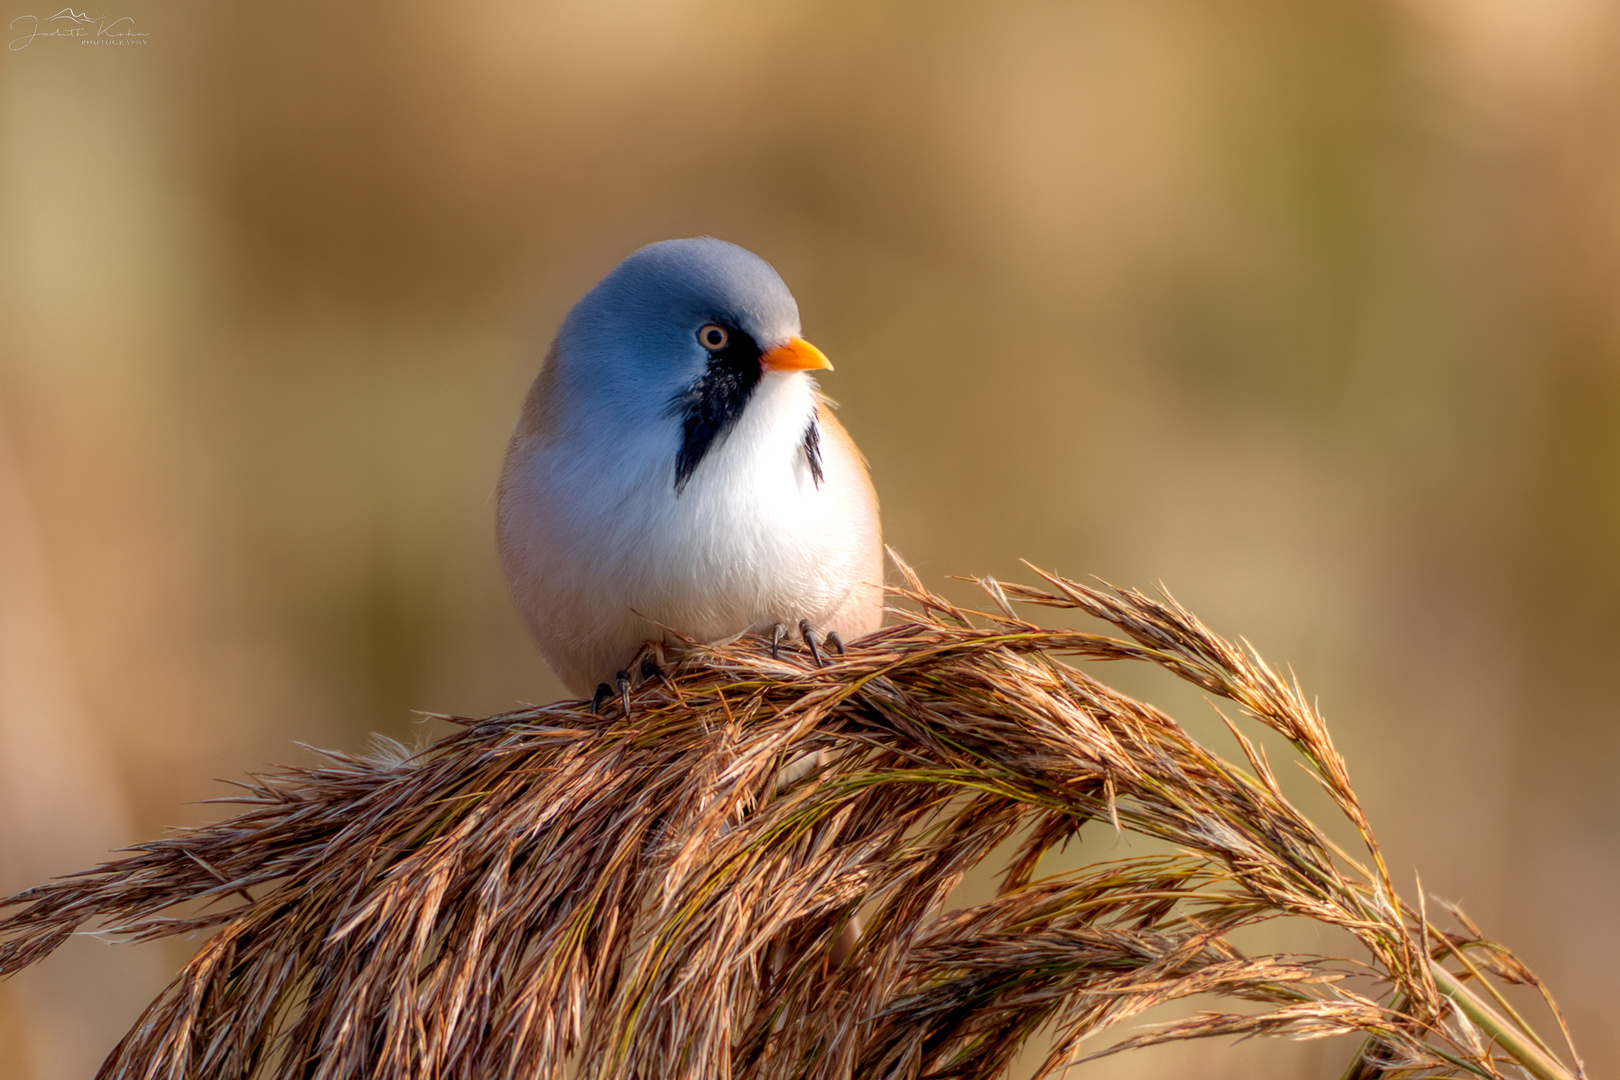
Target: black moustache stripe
{"type": "Point", "coordinates": [709, 408]}
{"type": "Point", "coordinates": [812, 450]}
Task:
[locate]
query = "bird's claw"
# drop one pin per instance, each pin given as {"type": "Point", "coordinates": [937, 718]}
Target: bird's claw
{"type": "Point", "coordinates": [622, 678]}
{"type": "Point", "coordinates": [835, 641]}
{"type": "Point", "coordinates": [808, 632]}
{"type": "Point", "coordinates": [778, 632]}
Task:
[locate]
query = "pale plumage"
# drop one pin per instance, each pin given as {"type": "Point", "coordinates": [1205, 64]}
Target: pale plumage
{"type": "Point", "coordinates": [656, 479]}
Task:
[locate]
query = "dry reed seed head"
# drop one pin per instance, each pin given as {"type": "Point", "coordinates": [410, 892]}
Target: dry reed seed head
{"type": "Point", "coordinates": [549, 893]}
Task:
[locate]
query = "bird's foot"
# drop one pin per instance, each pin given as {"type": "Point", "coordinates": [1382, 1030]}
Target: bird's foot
{"type": "Point", "coordinates": [621, 680]}
{"type": "Point", "coordinates": [812, 640]}
{"type": "Point", "coordinates": [830, 638]}
{"type": "Point", "coordinates": [651, 664]}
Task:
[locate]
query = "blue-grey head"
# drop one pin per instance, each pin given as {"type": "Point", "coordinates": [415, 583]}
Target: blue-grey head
{"type": "Point", "coordinates": [679, 334]}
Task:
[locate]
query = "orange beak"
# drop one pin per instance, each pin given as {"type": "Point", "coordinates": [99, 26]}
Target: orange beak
{"type": "Point", "coordinates": [797, 355]}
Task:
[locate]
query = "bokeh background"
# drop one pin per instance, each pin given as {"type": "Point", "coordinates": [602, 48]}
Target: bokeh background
{"type": "Point", "coordinates": [1309, 310]}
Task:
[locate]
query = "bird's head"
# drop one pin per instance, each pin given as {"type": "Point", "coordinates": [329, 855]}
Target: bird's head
{"type": "Point", "coordinates": [676, 341]}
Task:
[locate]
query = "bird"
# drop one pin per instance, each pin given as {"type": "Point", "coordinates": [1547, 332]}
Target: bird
{"type": "Point", "coordinates": [676, 472]}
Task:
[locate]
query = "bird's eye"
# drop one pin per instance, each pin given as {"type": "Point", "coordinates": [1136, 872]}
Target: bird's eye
{"type": "Point", "coordinates": [714, 337]}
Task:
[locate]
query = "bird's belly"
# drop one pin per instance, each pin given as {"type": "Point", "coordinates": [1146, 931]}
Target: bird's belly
{"type": "Point", "coordinates": [738, 549]}
{"type": "Point", "coordinates": [746, 559]}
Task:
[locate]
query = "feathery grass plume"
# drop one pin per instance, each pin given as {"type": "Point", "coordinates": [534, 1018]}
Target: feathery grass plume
{"type": "Point", "coordinates": [550, 893]}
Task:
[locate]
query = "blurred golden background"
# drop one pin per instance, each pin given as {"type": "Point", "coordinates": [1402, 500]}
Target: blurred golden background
{"type": "Point", "coordinates": [1309, 310]}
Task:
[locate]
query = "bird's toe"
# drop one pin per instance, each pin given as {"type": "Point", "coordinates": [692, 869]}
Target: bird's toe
{"type": "Point", "coordinates": [808, 632]}
{"type": "Point", "coordinates": [622, 678]}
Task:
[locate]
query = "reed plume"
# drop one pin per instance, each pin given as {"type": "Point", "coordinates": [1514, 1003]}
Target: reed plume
{"type": "Point", "coordinates": [551, 893]}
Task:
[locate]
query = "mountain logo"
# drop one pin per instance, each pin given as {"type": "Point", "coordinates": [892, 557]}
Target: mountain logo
{"type": "Point", "coordinates": [70, 15]}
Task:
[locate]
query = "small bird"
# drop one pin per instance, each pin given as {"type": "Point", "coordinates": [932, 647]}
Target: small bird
{"type": "Point", "coordinates": [676, 466]}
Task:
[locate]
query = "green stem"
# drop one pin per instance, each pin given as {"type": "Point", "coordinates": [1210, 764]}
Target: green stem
{"type": "Point", "coordinates": [1540, 1064]}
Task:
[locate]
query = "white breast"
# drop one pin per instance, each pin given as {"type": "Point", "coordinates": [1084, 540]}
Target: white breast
{"type": "Point", "coordinates": [601, 551]}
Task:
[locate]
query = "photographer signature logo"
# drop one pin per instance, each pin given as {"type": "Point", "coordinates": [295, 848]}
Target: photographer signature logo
{"type": "Point", "coordinates": [67, 23]}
